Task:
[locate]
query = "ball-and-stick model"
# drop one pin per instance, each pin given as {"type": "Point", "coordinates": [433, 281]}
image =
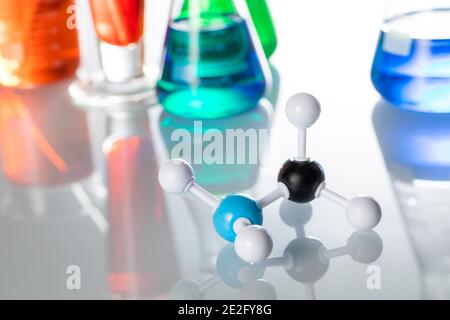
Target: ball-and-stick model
{"type": "Point", "coordinates": [238, 218]}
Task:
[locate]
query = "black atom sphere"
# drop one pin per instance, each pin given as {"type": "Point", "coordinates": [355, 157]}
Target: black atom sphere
{"type": "Point", "coordinates": [302, 178]}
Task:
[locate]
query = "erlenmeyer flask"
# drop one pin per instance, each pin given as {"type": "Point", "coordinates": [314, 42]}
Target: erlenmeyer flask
{"type": "Point", "coordinates": [38, 41]}
{"type": "Point", "coordinates": [214, 64]}
{"type": "Point", "coordinates": [412, 63]}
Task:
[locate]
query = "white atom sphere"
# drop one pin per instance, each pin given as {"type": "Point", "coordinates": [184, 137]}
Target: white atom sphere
{"type": "Point", "coordinates": [176, 176]}
{"type": "Point", "coordinates": [253, 244]}
{"type": "Point", "coordinates": [303, 110]}
{"type": "Point", "coordinates": [363, 213]}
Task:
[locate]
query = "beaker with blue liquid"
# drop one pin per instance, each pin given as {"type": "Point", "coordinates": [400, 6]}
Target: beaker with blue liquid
{"type": "Point", "coordinates": [411, 69]}
{"type": "Point", "coordinates": [214, 64]}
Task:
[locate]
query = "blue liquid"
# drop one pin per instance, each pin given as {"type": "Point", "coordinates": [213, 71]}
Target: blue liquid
{"type": "Point", "coordinates": [212, 72]}
{"type": "Point", "coordinates": [414, 73]}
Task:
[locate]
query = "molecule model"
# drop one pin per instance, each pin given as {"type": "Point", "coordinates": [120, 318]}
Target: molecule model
{"type": "Point", "coordinates": [239, 218]}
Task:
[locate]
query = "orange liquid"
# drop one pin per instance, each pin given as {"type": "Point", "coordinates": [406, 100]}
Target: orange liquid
{"type": "Point", "coordinates": [38, 41]}
{"type": "Point", "coordinates": [37, 148]}
{"type": "Point", "coordinates": [118, 22]}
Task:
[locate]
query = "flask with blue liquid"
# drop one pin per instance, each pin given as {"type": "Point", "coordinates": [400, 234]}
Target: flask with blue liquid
{"type": "Point", "coordinates": [411, 69]}
{"type": "Point", "coordinates": [214, 65]}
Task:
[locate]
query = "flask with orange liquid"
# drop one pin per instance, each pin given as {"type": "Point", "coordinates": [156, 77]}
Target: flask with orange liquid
{"type": "Point", "coordinates": [38, 41]}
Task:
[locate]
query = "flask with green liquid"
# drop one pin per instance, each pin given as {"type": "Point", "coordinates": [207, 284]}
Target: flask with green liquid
{"type": "Point", "coordinates": [214, 65]}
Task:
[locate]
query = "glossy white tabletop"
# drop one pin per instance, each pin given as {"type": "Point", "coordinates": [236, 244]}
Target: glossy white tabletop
{"type": "Point", "coordinates": [141, 242]}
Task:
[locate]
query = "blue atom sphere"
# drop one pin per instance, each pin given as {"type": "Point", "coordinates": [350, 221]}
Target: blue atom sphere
{"type": "Point", "coordinates": [232, 208]}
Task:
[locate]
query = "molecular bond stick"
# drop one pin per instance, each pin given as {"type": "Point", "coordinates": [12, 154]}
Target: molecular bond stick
{"type": "Point", "coordinates": [238, 218]}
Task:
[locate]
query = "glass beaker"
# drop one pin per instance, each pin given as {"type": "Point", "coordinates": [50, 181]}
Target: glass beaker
{"type": "Point", "coordinates": [120, 26]}
{"type": "Point", "coordinates": [114, 72]}
{"type": "Point", "coordinates": [38, 41]}
{"type": "Point", "coordinates": [214, 63]}
{"type": "Point", "coordinates": [411, 68]}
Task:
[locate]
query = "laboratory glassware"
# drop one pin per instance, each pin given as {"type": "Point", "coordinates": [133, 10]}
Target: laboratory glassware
{"type": "Point", "coordinates": [411, 67]}
{"type": "Point", "coordinates": [38, 42]}
{"type": "Point", "coordinates": [214, 64]}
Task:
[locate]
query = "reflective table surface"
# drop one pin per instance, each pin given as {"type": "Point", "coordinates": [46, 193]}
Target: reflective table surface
{"type": "Point", "coordinates": [82, 215]}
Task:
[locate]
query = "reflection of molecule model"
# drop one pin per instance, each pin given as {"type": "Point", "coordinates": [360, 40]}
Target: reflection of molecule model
{"type": "Point", "coordinates": [235, 273]}
{"type": "Point", "coordinates": [238, 218]}
{"type": "Point", "coordinates": [306, 260]}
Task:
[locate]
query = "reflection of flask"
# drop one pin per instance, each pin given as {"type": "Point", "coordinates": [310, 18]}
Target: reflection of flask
{"type": "Point", "coordinates": [46, 163]}
{"type": "Point", "coordinates": [38, 41]}
{"type": "Point", "coordinates": [141, 250]}
{"type": "Point", "coordinates": [37, 149]}
{"type": "Point", "coordinates": [120, 26]}
{"type": "Point", "coordinates": [412, 63]}
{"type": "Point", "coordinates": [416, 149]}
{"type": "Point", "coordinates": [214, 66]}
{"type": "Point", "coordinates": [223, 162]}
